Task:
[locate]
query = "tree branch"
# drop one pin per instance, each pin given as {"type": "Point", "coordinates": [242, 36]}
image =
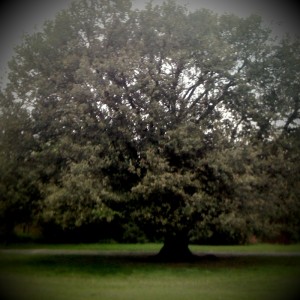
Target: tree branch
{"type": "Point", "coordinates": [213, 104]}
{"type": "Point", "coordinates": [294, 115]}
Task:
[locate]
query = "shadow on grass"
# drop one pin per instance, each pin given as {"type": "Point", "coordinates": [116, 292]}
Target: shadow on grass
{"type": "Point", "coordinates": [125, 264]}
{"type": "Point", "coordinates": [64, 267]}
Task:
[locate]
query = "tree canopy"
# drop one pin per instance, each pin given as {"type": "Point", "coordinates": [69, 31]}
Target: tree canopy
{"type": "Point", "coordinates": [184, 122]}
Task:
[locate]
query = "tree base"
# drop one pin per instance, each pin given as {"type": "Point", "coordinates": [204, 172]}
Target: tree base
{"type": "Point", "coordinates": [176, 250]}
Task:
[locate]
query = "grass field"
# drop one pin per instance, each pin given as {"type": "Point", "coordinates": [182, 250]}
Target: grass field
{"type": "Point", "coordinates": [155, 247]}
{"type": "Point", "coordinates": [89, 277]}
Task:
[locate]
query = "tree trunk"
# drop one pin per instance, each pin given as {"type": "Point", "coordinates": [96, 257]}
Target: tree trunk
{"type": "Point", "coordinates": [175, 248]}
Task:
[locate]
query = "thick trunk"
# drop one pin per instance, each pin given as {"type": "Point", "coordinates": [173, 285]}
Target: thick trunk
{"type": "Point", "coordinates": [175, 248]}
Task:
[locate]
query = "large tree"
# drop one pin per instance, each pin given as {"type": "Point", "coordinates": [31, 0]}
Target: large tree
{"type": "Point", "coordinates": [164, 115]}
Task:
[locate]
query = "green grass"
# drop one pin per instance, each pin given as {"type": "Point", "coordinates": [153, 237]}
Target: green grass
{"type": "Point", "coordinates": [96, 247]}
{"type": "Point", "coordinates": [89, 277]}
{"type": "Point", "coordinates": [255, 248]}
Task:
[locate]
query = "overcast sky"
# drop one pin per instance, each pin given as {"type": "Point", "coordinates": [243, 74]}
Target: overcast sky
{"type": "Point", "coordinates": [21, 16]}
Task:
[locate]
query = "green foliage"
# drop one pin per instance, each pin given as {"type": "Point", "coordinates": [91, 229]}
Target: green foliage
{"type": "Point", "coordinates": [184, 122]}
{"type": "Point", "coordinates": [18, 189]}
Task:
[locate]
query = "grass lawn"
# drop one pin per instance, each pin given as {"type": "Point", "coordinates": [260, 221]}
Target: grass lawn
{"type": "Point", "coordinates": [155, 247]}
{"type": "Point", "coordinates": [89, 277]}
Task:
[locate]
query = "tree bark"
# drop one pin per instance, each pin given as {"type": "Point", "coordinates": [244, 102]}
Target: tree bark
{"type": "Point", "coordinates": [175, 248]}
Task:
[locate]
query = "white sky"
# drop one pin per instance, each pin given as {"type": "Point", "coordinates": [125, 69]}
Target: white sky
{"type": "Point", "coordinates": [21, 16]}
